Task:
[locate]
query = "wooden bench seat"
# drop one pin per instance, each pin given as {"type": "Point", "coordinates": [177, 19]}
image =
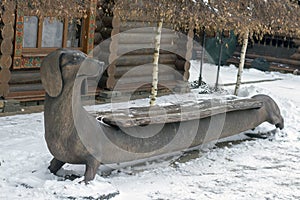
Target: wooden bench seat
{"type": "Point", "coordinates": [141, 116]}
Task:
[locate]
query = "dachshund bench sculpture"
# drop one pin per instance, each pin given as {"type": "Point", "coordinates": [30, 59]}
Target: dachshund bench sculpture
{"type": "Point", "coordinates": [75, 136]}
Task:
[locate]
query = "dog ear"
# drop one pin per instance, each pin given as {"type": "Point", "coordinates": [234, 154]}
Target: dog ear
{"type": "Point", "coordinates": [51, 74]}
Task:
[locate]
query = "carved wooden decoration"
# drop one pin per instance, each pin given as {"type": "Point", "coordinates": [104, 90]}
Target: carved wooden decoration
{"type": "Point", "coordinates": [90, 28]}
{"type": "Point", "coordinates": [8, 19]}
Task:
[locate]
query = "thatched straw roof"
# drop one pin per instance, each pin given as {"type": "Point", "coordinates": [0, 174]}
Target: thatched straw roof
{"type": "Point", "coordinates": [256, 16]}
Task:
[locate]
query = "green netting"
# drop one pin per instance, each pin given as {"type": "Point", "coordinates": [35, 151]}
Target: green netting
{"type": "Point", "coordinates": [213, 48]}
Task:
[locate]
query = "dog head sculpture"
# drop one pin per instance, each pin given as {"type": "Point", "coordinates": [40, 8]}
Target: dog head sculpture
{"type": "Point", "coordinates": [271, 111]}
{"type": "Point", "coordinates": [64, 66]}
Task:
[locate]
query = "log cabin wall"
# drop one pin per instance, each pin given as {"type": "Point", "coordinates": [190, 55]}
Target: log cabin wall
{"type": "Point", "coordinates": [7, 36]}
{"type": "Point", "coordinates": [129, 45]}
{"type": "Point", "coordinates": [23, 83]}
{"type": "Point", "coordinates": [20, 76]}
{"type": "Point", "coordinates": [282, 53]}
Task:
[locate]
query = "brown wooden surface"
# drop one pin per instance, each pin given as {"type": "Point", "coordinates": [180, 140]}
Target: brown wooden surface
{"type": "Point", "coordinates": [131, 87]}
{"type": "Point", "coordinates": [25, 96]}
{"type": "Point", "coordinates": [272, 59]}
{"type": "Point", "coordinates": [26, 87]}
{"type": "Point", "coordinates": [296, 56]}
{"type": "Point", "coordinates": [179, 63]}
{"type": "Point", "coordinates": [5, 61]}
{"type": "Point", "coordinates": [23, 77]}
{"type": "Point", "coordinates": [134, 49]}
{"type": "Point", "coordinates": [146, 38]}
{"type": "Point", "coordinates": [273, 67]}
{"type": "Point", "coordinates": [4, 89]}
{"type": "Point", "coordinates": [111, 70]}
{"type": "Point", "coordinates": [8, 32]}
{"type": "Point", "coordinates": [142, 71]}
{"type": "Point", "coordinates": [140, 116]}
{"type": "Point", "coordinates": [111, 82]}
{"type": "Point", "coordinates": [135, 59]}
{"type": "Point", "coordinates": [141, 35]}
{"type": "Point", "coordinates": [142, 79]}
{"type": "Point", "coordinates": [8, 17]}
{"type": "Point", "coordinates": [127, 60]}
{"type": "Point", "coordinates": [140, 49]}
{"type": "Point", "coordinates": [6, 47]}
{"type": "Point", "coordinates": [5, 75]}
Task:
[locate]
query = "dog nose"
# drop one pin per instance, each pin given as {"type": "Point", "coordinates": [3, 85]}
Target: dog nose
{"type": "Point", "coordinates": [280, 125]}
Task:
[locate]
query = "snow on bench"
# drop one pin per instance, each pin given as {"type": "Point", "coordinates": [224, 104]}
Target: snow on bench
{"type": "Point", "coordinates": [185, 111]}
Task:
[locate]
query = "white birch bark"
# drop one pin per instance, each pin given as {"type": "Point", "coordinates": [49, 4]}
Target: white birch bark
{"type": "Point", "coordinates": [242, 63]}
{"type": "Point", "coordinates": [154, 88]}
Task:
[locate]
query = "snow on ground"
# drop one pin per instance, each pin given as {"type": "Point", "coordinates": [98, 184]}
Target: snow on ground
{"type": "Point", "coordinates": [251, 169]}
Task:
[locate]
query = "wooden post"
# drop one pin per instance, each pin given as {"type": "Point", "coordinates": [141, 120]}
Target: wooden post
{"type": "Point", "coordinates": [155, 64]}
{"type": "Point", "coordinates": [8, 19]}
{"type": "Point", "coordinates": [242, 63]}
{"type": "Point", "coordinates": [220, 59]}
{"type": "Point", "coordinates": [202, 58]}
{"type": "Point", "coordinates": [90, 28]}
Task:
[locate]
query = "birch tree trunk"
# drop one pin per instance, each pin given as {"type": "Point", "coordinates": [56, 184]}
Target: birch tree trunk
{"type": "Point", "coordinates": [154, 88]}
{"type": "Point", "coordinates": [242, 63]}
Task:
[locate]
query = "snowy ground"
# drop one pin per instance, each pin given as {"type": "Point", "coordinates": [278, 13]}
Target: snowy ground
{"type": "Point", "coordinates": [252, 169]}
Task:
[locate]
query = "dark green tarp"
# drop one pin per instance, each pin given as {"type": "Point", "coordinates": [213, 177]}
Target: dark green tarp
{"type": "Point", "coordinates": [213, 48]}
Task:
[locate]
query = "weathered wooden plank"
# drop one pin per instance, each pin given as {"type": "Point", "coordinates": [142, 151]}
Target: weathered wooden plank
{"type": "Point", "coordinates": [144, 70]}
{"type": "Point", "coordinates": [140, 116]}
{"type": "Point", "coordinates": [142, 86]}
{"type": "Point", "coordinates": [108, 46]}
{"type": "Point", "coordinates": [142, 79]}
{"type": "Point", "coordinates": [273, 59]}
{"type": "Point", "coordinates": [140, 55]}
{"type": "Point", "coordinates": [26, 87]}
{"type": "Point", "coordinates": [23, 77]}
{"type": "Point", "coordinates": [144, 49]}
{"type": "Point", "coordinates": [126, 60]}
{"type": "Point", "coordinates": [27, 96]}
{"type": "Point", "coordinates": [145, 38]}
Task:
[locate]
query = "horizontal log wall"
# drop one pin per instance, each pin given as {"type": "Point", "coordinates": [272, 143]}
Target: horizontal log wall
{"type": "Point", "coordinates": [285, 58]}
{"type": "Point", "coordinates": [124, 46]}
